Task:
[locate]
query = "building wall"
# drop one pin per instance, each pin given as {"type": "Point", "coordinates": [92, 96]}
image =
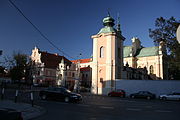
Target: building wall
{"type": "Point", "coordinates": [155, 86]}
{"type": "Point", "coordinates": [105, 69]}
{"type": "Point", "coordinates": [155, 61]}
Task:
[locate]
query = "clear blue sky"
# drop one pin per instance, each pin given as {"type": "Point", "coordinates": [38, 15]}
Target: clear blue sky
{"type": "Point", "coordinates": [70, 23]}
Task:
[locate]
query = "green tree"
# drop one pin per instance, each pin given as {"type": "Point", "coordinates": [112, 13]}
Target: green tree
{"type": "Point", "coordinates": [165, 30]}
{"type": "Point", "coordinates": [17, 65]}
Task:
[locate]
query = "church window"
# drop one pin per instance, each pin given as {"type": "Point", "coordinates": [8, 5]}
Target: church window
{"type": "Point", "coordinates": [151, 69]}
{"type": "Point", "coordinates": [101, 80]}
{"type": "Point", "coordinates": [101, 52]}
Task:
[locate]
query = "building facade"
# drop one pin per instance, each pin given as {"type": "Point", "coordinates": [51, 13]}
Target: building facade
{"type": "Point", "coordinates": [151, 58]}
{"type": "Point", "coordinates": [52, 69]}
{"type": "Point", "coordinates": [111, 60]}
{"type": "Point", "coordinates": [107, 61]}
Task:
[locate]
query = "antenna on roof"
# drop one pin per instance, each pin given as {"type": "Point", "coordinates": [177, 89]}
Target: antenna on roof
{"type": "Point", "coordinates": [108, 10]}
{"type": "Point", "coordinates": [118, 23]}
{"type": "Point", "coordinates": [118, 18]}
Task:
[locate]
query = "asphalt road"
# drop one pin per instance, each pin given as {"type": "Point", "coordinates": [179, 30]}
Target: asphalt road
{"type": "Point", "coordinates": [106, 108]}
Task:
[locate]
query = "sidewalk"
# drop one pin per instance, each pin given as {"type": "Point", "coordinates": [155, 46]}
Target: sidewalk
{"type": "Point", "coordinates": [28, 112]}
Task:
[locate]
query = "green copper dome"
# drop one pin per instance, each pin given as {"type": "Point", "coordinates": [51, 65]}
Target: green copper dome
{"type": "Point", "coordinates": [108, 23]}
{"type": "Point", "coordinates": [107, 29]}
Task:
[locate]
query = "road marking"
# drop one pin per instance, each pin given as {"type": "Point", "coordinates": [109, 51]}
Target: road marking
{"type": "Point", "coordinates": [165, 111]}
{"type": "Point", "coordinates": [106, 107]}
{"type": "Point", "coordinates": [133, 109]}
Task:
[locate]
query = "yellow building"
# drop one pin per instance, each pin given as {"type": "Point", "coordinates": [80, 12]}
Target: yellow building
{"type": "Point", "coordinates": [151, 58]}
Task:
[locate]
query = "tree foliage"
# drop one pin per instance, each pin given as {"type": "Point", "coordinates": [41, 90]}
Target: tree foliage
{"type": "Point", "coordinates": [17, 65]}
{"type": "Point", "coordinates": [165, 30]}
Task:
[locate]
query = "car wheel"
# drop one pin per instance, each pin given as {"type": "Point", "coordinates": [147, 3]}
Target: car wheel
{"type": "Point", "coordinates": [66, 99]}
{"type": "Point", "coordinates": [148, 98]}
{"type": "Point", "coordinates": [109, 95]}
{"type": "Point", "coordinates": [43, 97]}
{"type": "Point", "coordinates": [132, 96]}
{"type": "Point", "coordinates": [164, 98]}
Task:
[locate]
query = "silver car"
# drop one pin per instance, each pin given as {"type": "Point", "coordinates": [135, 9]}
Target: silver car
{"type": "Point", "coordinates": [173, 96]}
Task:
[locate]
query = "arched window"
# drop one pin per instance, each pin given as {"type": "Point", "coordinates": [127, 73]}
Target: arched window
{"type": "Point", "coordinates": [151, 69]}
{"type": "Point", "coordinates": [101, 52]}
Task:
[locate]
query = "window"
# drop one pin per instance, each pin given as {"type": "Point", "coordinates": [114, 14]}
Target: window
{"type": "Point", "coordinates": [69, 73]}
{"type": "Point", "coordinates": [101, 80]}
{"type": "Point", "coordinates": [101, 52]}
{"type": "Point", "coordinates": [73, 75]}
{"type": "Point", "coordinates": [38, 73]}
{"type": "Point", "coordinates": [151, 69]}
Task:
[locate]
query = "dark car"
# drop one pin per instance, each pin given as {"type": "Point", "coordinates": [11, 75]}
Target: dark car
{"type": "Point", "coordinates": [117, 93]}
{"type": "Point", "coordinates": [10, 114]}
{"type": "Point", "coordinates": [59, 93]}
{"type": "Point", "coordinates": [143, 94]}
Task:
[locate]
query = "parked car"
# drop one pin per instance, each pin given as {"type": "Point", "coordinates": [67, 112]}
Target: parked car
{"type": "Point", "coordinates": [59, 93]}
{"type": "Point", "coordinates": [172, 96]}
{"type": "Point", "coordinates": [143, 94]}
{"type": "Point", "coordinates": [117, 93]}
{"type": "Point", "coordinates": [10, 114]}
{"type": "Point", "coordinates": [84, 89]}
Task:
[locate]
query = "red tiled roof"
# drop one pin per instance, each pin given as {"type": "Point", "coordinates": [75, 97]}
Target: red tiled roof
{"type": "Point", "coordinates": [85, 69]}
{"type": "Point", "coordinates": [52, 60]}
{"type": "Point", "coordinates": [82, 60]}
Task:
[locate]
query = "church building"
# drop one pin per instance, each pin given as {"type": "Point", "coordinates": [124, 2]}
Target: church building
{"type": "Point", "coordinates": [111, 60]}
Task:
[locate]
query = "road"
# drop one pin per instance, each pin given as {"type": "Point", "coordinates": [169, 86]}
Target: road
{"type": "Point", "coordinates": [95, 107]}
{"type": "Point", "coordinates": [105, 108]}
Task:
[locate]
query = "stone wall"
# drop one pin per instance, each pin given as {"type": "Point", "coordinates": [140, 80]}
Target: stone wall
{"type": "Point", "coordinates": [155, 86]}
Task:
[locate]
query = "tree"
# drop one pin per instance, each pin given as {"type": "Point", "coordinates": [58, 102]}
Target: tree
{"type": "Point", "coordinates": [17, 65]}
{"type": "Point", "coordinates": [166, 31]}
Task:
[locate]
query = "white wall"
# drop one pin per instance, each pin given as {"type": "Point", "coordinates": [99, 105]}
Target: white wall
{"type": "Point", "coordinates": [155, 86]}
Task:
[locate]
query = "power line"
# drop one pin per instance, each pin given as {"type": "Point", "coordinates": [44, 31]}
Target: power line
{"type": "Point", "coordinates": [38, 30]}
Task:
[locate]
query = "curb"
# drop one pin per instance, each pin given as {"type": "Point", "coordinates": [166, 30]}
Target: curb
{"type": "Point", "coordinates": [31, 117]}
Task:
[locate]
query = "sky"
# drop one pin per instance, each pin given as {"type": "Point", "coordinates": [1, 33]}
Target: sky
{"type": "Point", "coordinates": [69, 24]}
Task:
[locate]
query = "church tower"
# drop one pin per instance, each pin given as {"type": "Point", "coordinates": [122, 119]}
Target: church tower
{"type": "Point", "coordinates": [107, 61]}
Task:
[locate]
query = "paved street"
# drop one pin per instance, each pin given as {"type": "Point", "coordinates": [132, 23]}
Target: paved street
{"type": "Point", "coordinates": [106, 108]}
{"type": "Point", "coordinates": [95, 107]}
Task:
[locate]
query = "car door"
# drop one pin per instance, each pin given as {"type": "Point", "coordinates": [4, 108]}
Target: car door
{"type": "Point", "coordinates": [170, 97]}
{"type": "Point", "coordinates": [175, 96]}
{"type": "Point", "coordinates": [60, 93]}
{"type": "Point", "coordinates": [140, 94]}
{"type": "Point", "coordinates": [50, 92]}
